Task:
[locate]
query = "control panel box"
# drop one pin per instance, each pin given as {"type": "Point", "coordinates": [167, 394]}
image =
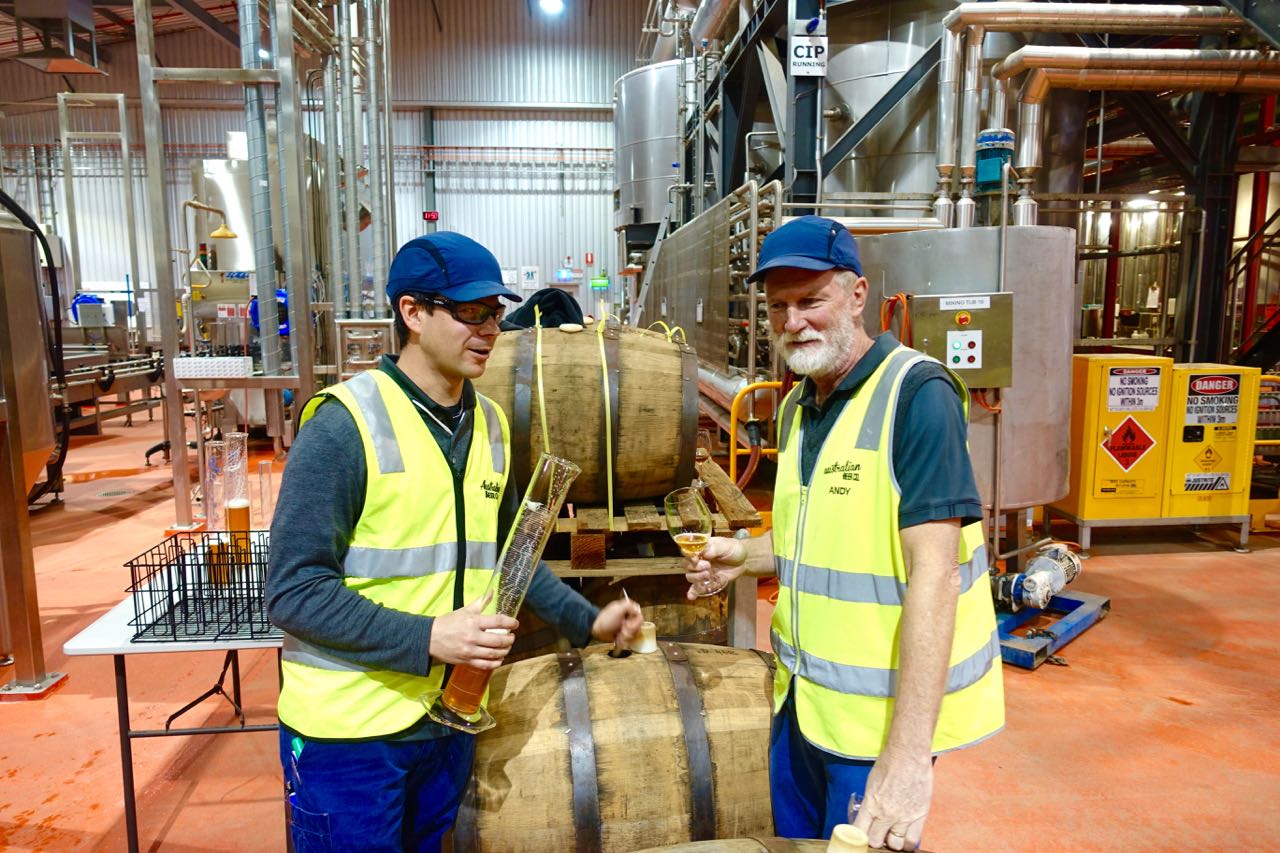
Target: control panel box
{"type": "Point", "coordinates": [970, 333]}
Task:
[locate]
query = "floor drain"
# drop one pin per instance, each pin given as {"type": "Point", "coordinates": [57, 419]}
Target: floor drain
{"type": "Point", "coordinates": [115, 493]}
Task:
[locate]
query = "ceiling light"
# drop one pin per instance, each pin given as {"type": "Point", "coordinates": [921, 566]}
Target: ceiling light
{"type": "Point", "coordinates": [263, 53]}
{"type": "Point", "coordinates": [551, 7]}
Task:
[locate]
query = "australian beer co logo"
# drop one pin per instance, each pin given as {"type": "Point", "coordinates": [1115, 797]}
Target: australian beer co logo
{"type": "Point", "coordinates": [850, 472]}
{"type": "Point", "coordinates": [491, 490]}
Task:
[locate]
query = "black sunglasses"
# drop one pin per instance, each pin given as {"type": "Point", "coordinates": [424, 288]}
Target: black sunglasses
{"type": "Point", "coordinates": [471, 313]}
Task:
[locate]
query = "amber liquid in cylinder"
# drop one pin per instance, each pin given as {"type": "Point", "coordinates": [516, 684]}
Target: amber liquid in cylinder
{"type": "Point", "coordinates": [465, 689]}
{"type": "Point", "coordinates": [238, 525]}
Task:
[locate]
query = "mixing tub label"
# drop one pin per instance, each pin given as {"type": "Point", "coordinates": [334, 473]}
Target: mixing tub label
{"type": "Point", "coordinates": [964, 303]}
{"type": "Point", "coordinates": [1128, 443]}
{"type": "Point", "coordinates": [1213, 398]}
{"type": "Point", "coordinates": [1133, 389]}
{"type": "Point", "coordinates": [1206, 482]}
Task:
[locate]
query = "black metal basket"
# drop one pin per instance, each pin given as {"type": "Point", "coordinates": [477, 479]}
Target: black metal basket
{"type": "Point", "coordinates": [202, 586]}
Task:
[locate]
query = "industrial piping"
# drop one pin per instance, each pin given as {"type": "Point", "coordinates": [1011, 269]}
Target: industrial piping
{"type": "Point", "coordinates": [980, 18]}
{"type": "Point", "coordinates": [1131, 69]}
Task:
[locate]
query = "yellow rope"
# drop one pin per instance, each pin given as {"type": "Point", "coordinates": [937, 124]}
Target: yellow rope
{"type": "Point", "coordinates": [670, 331]}
{"type": "Point", "coordinates": [608, 416]}
{"type": "Point", "coordinates": [542, 399]}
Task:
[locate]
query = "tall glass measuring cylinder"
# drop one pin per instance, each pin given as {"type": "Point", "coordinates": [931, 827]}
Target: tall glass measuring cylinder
{"type": "Point", "coordinates": [459, 705]}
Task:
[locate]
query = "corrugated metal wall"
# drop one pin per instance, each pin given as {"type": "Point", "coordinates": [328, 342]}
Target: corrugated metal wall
{"type": "Point", "coordinates": [528, 200]}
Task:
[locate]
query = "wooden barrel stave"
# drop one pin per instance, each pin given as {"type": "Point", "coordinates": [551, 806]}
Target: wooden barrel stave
{"type": "Point", "coordinates": [523, 794]}
{"type": "Point", "coordinates": [653, 407]}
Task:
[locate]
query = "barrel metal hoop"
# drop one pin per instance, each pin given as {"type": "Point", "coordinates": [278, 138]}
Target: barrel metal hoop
{"type": "Point", "coordinates": [768, 658]}
{"type": "Point", "coordinates": [522, 415]}
{"type": "Point", "coordinates": [702, 804]}
{"type": "Point", "coordinates": [717, 636]}
{"type": "Point", "coordinates": [582, 753]}
{"type": "Point", "coordinates": [466, 827]}
{"type": "Point", "coordinates": [614, 369]}
{"type": "Point", "coordinates": [688, 415]}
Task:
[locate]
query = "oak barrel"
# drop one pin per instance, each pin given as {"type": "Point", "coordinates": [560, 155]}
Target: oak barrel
{"type": "Point", "coordinates": [596, 753]}
{"type": "Point", "coordinates": [653, 407]}
{"type": "Point", "coordinates": [661, 598]}
{"type": "Point", "coordinates": [745, 845]}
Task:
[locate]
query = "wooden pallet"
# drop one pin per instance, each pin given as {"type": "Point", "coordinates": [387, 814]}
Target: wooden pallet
{"type": "Point", "coordinates": [591, 534]}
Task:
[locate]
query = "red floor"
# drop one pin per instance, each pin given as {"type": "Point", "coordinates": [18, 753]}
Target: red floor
{"type": "Point", "coordinates": [1162, 733]}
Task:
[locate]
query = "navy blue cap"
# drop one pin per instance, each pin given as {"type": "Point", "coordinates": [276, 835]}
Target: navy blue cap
{"type": "Point", "coordinates": [809, 243]}
{"type": "Point", "coordinates": [450, 264]}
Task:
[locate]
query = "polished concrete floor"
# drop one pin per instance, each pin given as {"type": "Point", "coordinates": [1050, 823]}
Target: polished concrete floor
{"type": "Point", "coordinates": [1162, 733]}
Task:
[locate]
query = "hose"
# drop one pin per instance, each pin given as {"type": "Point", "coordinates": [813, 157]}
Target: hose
{"type": "Point", "coordinates": [53, 468]}
{"type": "Point", "coordinates": [753, 436]}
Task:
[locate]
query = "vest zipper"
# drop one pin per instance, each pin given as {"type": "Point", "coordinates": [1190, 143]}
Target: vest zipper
{"type": "Point", "coordinates": [460, 569]}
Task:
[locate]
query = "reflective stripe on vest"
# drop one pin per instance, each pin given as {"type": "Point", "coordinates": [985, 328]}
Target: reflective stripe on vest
{"type": "Point", "coordinates": [403, 555]}
{"type": "Point", "coordinates": [840, 563]}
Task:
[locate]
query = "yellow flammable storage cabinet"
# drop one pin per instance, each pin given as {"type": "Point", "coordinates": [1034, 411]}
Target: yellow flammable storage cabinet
{"type": "Point", "coordinates": [1212, 423]}
{"type": "Point", "coordinates": [1119, 426]}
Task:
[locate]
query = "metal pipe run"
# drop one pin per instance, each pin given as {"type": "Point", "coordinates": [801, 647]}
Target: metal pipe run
{"type": "Point", "coordinates": [333, 209]}
{"type": "Point", "coordinates": [948, 93]}
{"type": "Point", "coordinates": [350, 161]}
{"type": "Point", "coordinates": [373, 132]}
{"type": "Point", "coordinates": [264, 251]}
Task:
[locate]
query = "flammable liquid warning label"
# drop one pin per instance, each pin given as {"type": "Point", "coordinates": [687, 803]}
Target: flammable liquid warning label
{"type": "Point", "coordinates": [1128, 443]}
{"type": "Point", "coordinates": [1206, 482]}
{"type": "Point", "coordinates": [1213, 398]}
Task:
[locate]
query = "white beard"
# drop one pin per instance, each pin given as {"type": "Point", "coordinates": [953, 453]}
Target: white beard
{"type": "Point", "coordinates": [827, 357]}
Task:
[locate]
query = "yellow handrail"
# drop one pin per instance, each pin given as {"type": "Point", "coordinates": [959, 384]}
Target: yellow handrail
{"type": "Point", "coordinates": [733, 424]}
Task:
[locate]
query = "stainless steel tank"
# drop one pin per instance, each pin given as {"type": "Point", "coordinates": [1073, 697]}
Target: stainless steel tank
{"type": "Point", "coordinates": [871, 46]}
{"type": "Point", "coordinates": [646, 138]}
{"type": "Point", "coordinates": [1035, 450]}
{"type": "Point", "coordinates": [19, 276]}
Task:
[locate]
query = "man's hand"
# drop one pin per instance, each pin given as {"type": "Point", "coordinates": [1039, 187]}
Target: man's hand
{"type": "Point", "coordinates": [469, 636]}
{"type": "Point", "coordinates": [720, 562]}
{"type": "Point", "coordinates": [619, 621]}
{"type": "Point", "coordinates": [896, 803]}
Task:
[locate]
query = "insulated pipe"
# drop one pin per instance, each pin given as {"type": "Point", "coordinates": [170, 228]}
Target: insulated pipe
{"type": "Point", "coordinates": [1121, 59]}
{"type": "Point", "coordinates": [1093, 17]}
{"type": "Point", "coordinates": [350, 160]}
{"type": "Point", "coordinates": [333, 225]}
{"type": "Point", "coordinates": [949, 63]}
{"type": "Point", "coordinates": [264, 250]}
{"type": "Point", "coordinates": [373, 111]}
{"type": "Point", "coordinates": [388, 139]}
{"type": "Point", "coordinates": [966, 207]}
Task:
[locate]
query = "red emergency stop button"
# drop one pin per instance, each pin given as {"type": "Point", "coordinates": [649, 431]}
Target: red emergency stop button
{"type": "Point", "coordinates": [963, 318]}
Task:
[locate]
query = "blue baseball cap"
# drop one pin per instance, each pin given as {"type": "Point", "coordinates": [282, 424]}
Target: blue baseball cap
{"type": "Point", "coordinates": [449, 264]}
{"type": "Point", "coordinates": [809, 243]}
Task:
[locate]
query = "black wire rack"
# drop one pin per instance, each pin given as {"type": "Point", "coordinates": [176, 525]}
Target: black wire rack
{"type": "Point", "coordinates": [202, 586]}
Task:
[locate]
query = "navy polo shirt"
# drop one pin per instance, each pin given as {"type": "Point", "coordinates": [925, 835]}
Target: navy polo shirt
{"type": "Point", "coordinates": [930, 454]}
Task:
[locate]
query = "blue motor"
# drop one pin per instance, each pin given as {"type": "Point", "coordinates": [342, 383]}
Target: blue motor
{"type": "Point", "coordinates": [994, 149]}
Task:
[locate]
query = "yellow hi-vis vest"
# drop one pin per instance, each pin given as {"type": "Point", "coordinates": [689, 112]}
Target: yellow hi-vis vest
{"type": "Point", "coordinates": [842, 581]}
{"type": "Point", "coordinates": [404, 554]}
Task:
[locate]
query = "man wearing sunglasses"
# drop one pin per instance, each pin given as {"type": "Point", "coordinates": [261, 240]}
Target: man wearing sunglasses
{"type": "Point", "coordinates": [395, 499]}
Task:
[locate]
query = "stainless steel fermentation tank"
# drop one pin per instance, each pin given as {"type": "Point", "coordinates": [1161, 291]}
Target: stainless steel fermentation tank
{"type": "Point", "coordinates": [1040, 272]}
{"type": "Point", "coordinates": [648, 104]}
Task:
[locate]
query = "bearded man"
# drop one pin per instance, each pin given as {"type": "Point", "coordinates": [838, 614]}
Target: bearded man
{"type": "Point", "coordinates": [884, 629]}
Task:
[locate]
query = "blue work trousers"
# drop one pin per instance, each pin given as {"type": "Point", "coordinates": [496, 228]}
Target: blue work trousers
{"type": "Point", "coordinates": [374, 795]}
{"type": "Point", "coordinates": [810, 786]}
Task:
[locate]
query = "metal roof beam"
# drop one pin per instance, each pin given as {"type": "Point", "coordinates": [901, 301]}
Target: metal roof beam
{"type": "Point", "coordinates": [207, 21]}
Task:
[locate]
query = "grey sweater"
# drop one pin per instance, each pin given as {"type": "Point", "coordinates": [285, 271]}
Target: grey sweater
{"type": "Point", "coordinates": [321, 498]}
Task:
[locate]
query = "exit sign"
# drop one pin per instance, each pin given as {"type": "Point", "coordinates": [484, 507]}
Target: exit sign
{"type": "Point", "coordinates": [430, 216]}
